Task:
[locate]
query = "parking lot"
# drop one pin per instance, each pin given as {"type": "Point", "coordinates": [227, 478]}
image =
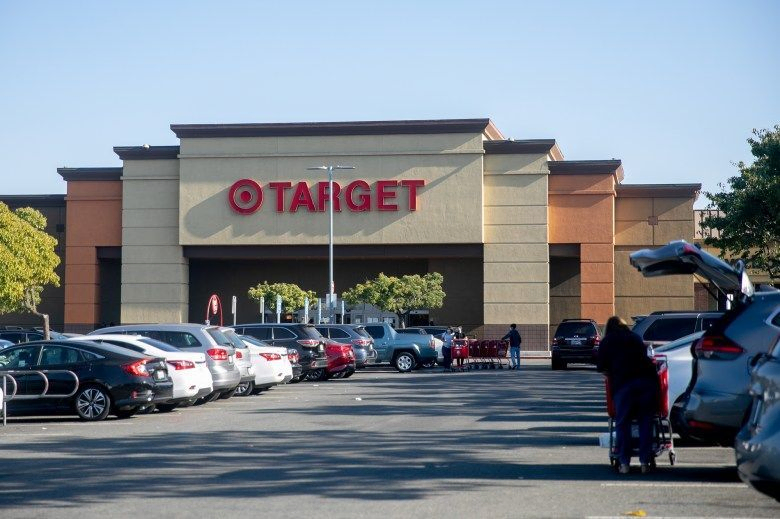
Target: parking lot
{"type": "Point", "coordinates": [426, 444]}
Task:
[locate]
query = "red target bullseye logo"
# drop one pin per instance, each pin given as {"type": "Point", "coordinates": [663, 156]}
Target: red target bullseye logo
{"type": "Point", "coordinates": [245, 196]}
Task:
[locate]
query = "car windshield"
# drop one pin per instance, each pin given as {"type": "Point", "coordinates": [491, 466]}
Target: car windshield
{"type": "Point", "coordinates": [362, 332]}
{"type": "Point", "coordinates": [311, 332]}
{"type": "Point", "coordinates": [158, 344]}
{"type": "Point", "coordinates": [252, 340]}
{"type": "Point", "coordinates": [569, 329]}
{"type": "Point", "coordinates": [234, 339]}
{"type": "Point", "coordinates": [219, 337]}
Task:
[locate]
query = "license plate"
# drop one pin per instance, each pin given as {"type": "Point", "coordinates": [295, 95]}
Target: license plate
{"type": "Point", "coordinates": [159, 375]}
{"type": "Point", "coordinates": [576, 342]}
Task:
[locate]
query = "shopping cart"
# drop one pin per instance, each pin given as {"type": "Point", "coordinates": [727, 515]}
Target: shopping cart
{"type": "Point", "coordinates": [662, 427]}
{"type": "Point", "coordinates": [460, 353]}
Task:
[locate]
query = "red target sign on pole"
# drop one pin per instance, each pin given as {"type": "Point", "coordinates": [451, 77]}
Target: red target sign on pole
{"type": "Point", "coordinates": [245, 196]}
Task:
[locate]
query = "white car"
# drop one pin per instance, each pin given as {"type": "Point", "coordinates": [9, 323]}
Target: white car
{"type": "Point", "coordinates": [679, 361]}
{"type": "Point", "coordinates": [272, 364]}
{"type": "Point", "coordinates": [188, 370]}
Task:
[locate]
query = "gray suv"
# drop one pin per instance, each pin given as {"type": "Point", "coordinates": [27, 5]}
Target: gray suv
{"type": "Point", "coordinates": [354, 334]}
{"type": "Point", "coordinates": [220, 353]}
{"type": "Point", "coordinates": [717, 401]}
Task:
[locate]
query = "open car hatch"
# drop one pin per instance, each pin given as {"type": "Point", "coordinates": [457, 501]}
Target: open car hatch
{"type": "Point", "coordinates": [681, 257]}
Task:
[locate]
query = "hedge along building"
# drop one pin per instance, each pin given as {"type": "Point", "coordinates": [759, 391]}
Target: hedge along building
{"type": "Point", "coordinates": [520, 234]}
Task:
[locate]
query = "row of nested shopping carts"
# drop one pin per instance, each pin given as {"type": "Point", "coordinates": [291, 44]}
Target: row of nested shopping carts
{"type": "Point", "coordinates": [468, 354]}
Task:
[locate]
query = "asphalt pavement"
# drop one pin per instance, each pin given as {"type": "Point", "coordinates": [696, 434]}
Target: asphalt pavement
{"type": "Point", "coordinates": [486, 443]}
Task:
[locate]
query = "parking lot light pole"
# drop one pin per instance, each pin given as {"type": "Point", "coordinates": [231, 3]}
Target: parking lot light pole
{"type": "Point", "coordinates": [331, 285]}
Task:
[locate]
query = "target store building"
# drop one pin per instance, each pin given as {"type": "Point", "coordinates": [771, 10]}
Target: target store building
{"type": "Point", "coordinates": [520, 234]}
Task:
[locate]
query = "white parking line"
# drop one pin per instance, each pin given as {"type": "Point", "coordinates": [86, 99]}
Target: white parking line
{"type": "Point", "coordinates": [677, 485]}
{"type": "Point", "coordinates": [652, 517]}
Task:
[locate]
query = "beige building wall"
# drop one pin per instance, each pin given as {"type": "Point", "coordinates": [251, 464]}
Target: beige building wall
{"type": "Point", "coordinates": [448, 206]}
{"type": "Point", "coordinates": [155, 275]}
{"type": "Point", "coordinates": [516, 256]}
{"type": "Point", "coordinates": [646, 218]}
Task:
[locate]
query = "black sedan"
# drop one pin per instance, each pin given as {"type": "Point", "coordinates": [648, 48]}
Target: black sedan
{"type": "Point", "coordinates": [83, 377]}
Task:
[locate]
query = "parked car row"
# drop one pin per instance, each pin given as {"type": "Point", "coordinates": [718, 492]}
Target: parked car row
{"type": "Point", "coordinates": [125, 369]}
{"type": "Point", "coordinates": [730, 397]}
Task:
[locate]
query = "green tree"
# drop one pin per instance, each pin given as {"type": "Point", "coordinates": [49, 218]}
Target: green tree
{"type": "Point", "coordinates": [747, 221]}
{"type": "Point", "coordinates": [27, 261]}
{"type": "Point", "coordinates": [399, 295]}
{"type": "Point", "coordinates": [293, 296]}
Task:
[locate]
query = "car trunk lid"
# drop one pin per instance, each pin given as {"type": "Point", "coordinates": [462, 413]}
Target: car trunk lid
{"type": "Point", "coordinates": [681, 257]}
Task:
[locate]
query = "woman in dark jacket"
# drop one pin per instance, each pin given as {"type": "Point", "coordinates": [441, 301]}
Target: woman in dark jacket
{"type": "Point", "coordinates": [634, 384]}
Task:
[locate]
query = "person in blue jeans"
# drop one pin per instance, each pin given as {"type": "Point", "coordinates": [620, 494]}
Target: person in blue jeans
{"type": "Point", "coordinates": [633, 381]}
{"type": "Point", "coordinates": [514, 346]}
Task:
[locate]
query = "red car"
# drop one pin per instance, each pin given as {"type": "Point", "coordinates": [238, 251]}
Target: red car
{"type": "Point", "coordinates": [341, 362]}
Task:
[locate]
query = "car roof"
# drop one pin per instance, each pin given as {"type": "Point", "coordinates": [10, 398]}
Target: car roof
{"type": "Point", "coordinates": [155, 326]}
{"type": "Point", "coordinates": [86, 345]}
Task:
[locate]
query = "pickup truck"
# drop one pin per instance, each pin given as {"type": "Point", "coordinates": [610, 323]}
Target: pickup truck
{"type": "Point", "coordinates": [403, 351]}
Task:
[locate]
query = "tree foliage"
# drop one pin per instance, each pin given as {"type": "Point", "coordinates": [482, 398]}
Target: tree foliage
{"type": "Point", "coordinates": [399, 295]}
{"type": "Point", "coordinates": [747, 222]}
{"type": "Point", "coordinates": [27, 261]}
{"type": "Point", "coordinates": [293, 296]}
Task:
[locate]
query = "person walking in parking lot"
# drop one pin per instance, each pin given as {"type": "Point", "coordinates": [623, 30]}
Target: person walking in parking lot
{"type": "Point", "coordinates": [514, 346]}
{"type": "Point", "coordinates": [446, 349]}
{"type": "Point", "coordinates": [633, 383]}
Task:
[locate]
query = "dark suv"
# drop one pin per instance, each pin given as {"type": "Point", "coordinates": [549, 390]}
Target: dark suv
{"type": "Point", "coordinates": [575, 340]}
{"type": "Point", "coordinates": [304, 338]}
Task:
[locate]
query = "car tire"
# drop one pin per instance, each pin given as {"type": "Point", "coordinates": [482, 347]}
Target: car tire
{"type": "Point", "coordinates": [92, 403]}
{"type": "Point", "coordinates": [167, 408]}
{"type": "Point", "coordinates": [428, 364]}
{"type": "Point", "coordinates": [244, 389]}
{"type": "Point", "coordinates": [127, 413]}
{"type": "Point", "coordinates": [348, 373]}
{"type": "Point", "coordinates": [317, 375]}
{"type": "Point", "coordinates": [404, 362]}
{"type": "Point", "coordinates": [558, 364]}
{"type": "Point", "coordinates": [226, 394]}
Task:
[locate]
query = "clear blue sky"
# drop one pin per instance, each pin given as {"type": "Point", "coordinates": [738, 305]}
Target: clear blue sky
{"type": "Point", "coordinates": [673, 88]}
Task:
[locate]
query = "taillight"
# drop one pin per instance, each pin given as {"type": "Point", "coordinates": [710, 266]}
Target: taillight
{"type": "Point", "coordinates": [559, 340]}
{"type": "Point", "coordinates": [181, 364]}
{"type": "Point", "coordinates": [271, 356]}
{"type": "Point", "coordinates": [239, 355]}
{"type": "Point", "coordinates": [293, 356]}
{"type": "Point", "coordinates": [717, 347]}
{"type": "Point", "coordinates": [218, 354]}
{"type": "Point", "coordinates": [361, 342]}
{"type": "Point", "coordinates": [137, 368]}
{"type": "Point", "coordinates": [594, 341]}
{"type": "Point", "coordinates": [308, 343]}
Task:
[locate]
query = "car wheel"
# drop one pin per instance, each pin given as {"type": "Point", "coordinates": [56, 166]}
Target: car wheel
{"type": "Point", "coordinates": [429, 364]}
{"type": "Point", "coordinates": [317, 375]}
{"type": "Point", "coordinates": [244, 389]}
{"type": "Point", "coordinates": [92, 403]}
{"type": "Point", "coordinates": [226, 394]}
{"type": "Point", "coordinates": [558, 364]}
{"type": "Point", "coordinates": [404, 362]}
{"type": "Point", "coordinates": [127, 413]}
{"type": "Point", "coordinates": [348, 373]}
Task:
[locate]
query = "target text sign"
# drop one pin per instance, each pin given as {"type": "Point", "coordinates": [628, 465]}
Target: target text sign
{"type": "Point", "coordinates": [246, 196]}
